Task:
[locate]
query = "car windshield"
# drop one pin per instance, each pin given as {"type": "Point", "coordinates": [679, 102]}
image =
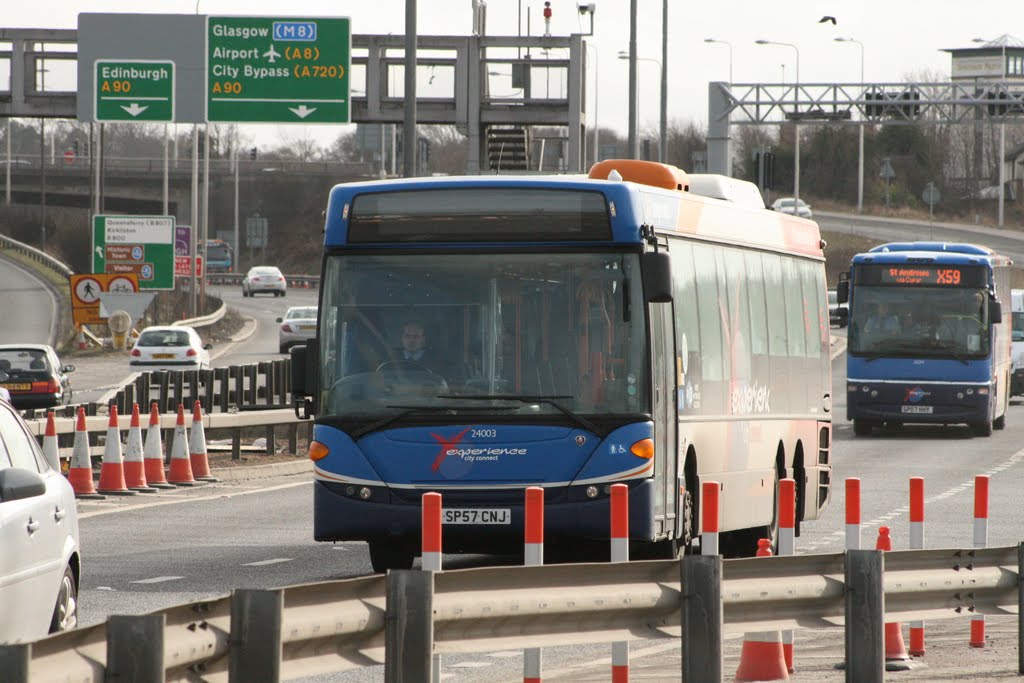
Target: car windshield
{"type": "Point", "coordinates": [164, 338]}
{"type": "Point", "coordinates": [306, 313]}
{"type": "Point", "coordinates": [398, 331]}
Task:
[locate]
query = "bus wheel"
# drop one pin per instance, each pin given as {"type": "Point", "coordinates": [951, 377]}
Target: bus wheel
{"type": "Point", "coordinates": [982, 428]}
{"type": "Point", "coordinates": [672, 548]}
{"type": "Point", "coordinates": [862, 428]}
{"type": "Point", "coordinates": [999, 422]}
{"type": "Point", "coordinates": [390, 554]}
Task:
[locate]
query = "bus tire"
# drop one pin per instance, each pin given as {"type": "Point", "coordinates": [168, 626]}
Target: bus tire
{"type": "Point", "coordinates": [999, 422]}
{"type": "Point", "coordinates": [390, 553]}
{"type": "Point", "coordinates": [982, 428]}
{"type": "Point", "coordinates": [862, 428]}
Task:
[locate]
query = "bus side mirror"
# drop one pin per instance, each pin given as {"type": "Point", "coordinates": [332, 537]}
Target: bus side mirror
{"type": "Point", "coordinates": [657, 276]}
{"type": "Point", "coordinates": [304, 378]}
{"type": "Point", "coordinates": [995, 311]}
{"type": "Point", "coordinates": [842, 291]}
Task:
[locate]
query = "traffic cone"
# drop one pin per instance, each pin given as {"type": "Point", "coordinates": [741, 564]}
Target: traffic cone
{"type": "Point", "coordinates": [197, 446]}
{"type": "Point", "coordinates": [153, 452]}
{"type": "Point", "coordinates": [50, 451]}
{"type": "Point", "coordinates": [80, 472]}
{"type": "Point", "coordinates": [181, 465]}
{"type": "Point", "coordinates": [112, 471]}
{"type": "Point", "coordinates": [896, 657]}
{"type": "Point", "coordinates": [80, 340]}
{"type": "Point", "coordinates": [134, 467]}
{"type": "Point", "coordinates": [762, 657]}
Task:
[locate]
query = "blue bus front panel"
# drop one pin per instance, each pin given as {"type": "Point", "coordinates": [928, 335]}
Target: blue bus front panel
{"type": "Point", "coordinates": [372, 489]}
{"type": "Point", "coordinates": [923, 402]}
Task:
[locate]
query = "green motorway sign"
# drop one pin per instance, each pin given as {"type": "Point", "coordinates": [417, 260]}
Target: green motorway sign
{"type": "Point", "coordinates": [143, 245]}
{"type": "Point", "coordinates": [137, 90]}
{"type": "Point", "coordinates": [266, 70]}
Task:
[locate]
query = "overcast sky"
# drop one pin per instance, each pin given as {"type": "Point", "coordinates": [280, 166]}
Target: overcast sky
{"type": "Point", "coordinates": [902, 38]}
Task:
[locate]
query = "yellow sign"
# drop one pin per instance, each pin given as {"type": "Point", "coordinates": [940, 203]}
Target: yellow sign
{"type": "Point", "coordinates": [86, 290]}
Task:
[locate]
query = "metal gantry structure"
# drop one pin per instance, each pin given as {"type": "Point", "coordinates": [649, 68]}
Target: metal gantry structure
{"type": "Point", "coordinates": [966, 102]}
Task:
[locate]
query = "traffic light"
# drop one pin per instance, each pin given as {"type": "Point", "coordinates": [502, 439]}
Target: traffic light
{"type": "Point", "coordinates": [252, 153]}
{"type": "Point", "coordinates": [911, 111]}
{"type": "Point", "coordinates": [995, 109]}
{"type": "Point", "coordinates": [874, 110]}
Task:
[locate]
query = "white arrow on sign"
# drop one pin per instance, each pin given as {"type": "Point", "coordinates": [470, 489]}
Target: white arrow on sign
{"type": "Point", "coordinates": [302, 111]}
{"type": "Point", "coordinates": [134, 109]}
{"type": "Point", "coordinates": [99, 251]}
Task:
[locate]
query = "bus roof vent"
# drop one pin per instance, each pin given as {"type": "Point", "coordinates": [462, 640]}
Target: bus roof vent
{"type": "Point", "coordinates": [642, 172]}
{"type": "Point", "coordinates": [723, 187]}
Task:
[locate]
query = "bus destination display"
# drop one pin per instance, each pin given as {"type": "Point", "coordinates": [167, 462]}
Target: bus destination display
{"type": "Point", "coordinates": [913, 274]}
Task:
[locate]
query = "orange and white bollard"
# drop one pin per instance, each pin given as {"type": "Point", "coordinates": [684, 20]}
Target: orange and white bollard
{"type": "Point", "coordinates": [50, 450]}
{"type": "Point", "coordinates": [112, 471]}
{"type": "Point", "coordinates": [980, 541]}
{"type": "Point", "coordinates": [709, 518]}
{"type": "Point", "coordinates": [787, 546]}
{"type": "Point", "coordinates": [430, 560]}
{"type": "Point", "coordinates": [134, 463]}
{"type": "Point", "coordinates": [917, 543]}
{"type": "Point", "coordinates": [853, 513]}
{"type": "Point", "coordinates": [620, 553]}
{"type": "Point", "coordinates": [762, 657]}
{"type": "Point", "coordinates": [896, 657]}
{"type": "Point", "coordinates": [181, 465]}
{"type": "Point", "coordinates": [153, 452]}
{"type": "Point", "coordinates": [197, 446]}
{"type": "Point", "coordinates": [533, 555]}
{"type": "Point", "coordinates": [80, 472]}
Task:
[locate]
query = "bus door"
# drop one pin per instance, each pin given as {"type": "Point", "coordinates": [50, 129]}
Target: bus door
{"type": "Point", "coordinates": [663, 382]}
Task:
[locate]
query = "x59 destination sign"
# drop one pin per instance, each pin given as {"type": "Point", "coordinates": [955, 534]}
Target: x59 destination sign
{"type": "Point", "coordinates": [272, 70]}
{"type": "Point", "coordinates": [143, 245]}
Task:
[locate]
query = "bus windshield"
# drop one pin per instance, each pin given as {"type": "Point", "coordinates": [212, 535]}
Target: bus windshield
{"type": "Point", "coordinates": [398, 331]}
{"type": "Point", "coordinates": [218, 251]}
{"type": "Point", "coordinates": [927, 322]}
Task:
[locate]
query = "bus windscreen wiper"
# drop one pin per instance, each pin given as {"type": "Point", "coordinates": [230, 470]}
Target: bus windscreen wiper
{"type": "Point", "coordinates": [410, 410]}
{"type": "Point", "coordinates": [552, 401]}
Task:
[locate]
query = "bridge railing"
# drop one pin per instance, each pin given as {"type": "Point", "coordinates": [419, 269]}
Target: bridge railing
{"type": "Point", "coordinates": [337, 626]}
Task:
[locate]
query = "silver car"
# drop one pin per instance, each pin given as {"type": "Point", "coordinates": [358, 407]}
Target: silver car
{"type": "Point", "coordinates": [268, 279]}
{"type": "Point", "coordinates": [40, 561]}
{"type": "Point", "coordinates": [797, 207]}
{"type": "Point", "coordinates": [297, 325]}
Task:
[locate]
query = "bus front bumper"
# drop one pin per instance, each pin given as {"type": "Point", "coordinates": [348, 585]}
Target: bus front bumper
{"type": "Point", "coordinates": [917, 402]}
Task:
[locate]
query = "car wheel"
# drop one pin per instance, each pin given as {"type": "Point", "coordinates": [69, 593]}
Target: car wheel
{"type": "Point", "coordinates": [65, 612]}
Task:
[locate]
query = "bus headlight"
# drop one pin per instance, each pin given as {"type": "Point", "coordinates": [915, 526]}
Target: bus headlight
{"type": "Point", "coordinates": [591, 492]}
{"type": "Point", "coordinates": [364, 493]}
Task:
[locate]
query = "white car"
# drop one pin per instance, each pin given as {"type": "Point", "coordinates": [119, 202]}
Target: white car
{"type": "Point", "coordinates": [264, 279]}
{"type": "Point", "coordinates": [169, 347]}
{"type": "Point", "coordinates": [297, 325]}
{"type": "Point", "coordinates": [40, 561]}
{"type": "Point", "coordinates": [797, 207]}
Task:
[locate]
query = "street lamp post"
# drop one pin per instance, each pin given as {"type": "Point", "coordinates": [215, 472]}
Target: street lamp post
{"type": "Point", "coordinates": [597, 81]}
{"type": "Point", "coordinates": [1002, 134]}
{"type": "Point", "coordinates": [796, 110]}
{"type": "Point", "coordinates": [662, 146]}
{"type": "Point", "coordinates": [860, 136]}
{"type": "Point", "coordinates": [727, 44]}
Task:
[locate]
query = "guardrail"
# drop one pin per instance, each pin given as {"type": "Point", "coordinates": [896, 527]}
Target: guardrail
{"type": "Point", "coordinates": [341, 625]}
{"type": "Point", "coordinates": [294, 281]}
{"type": "Point", "coordinates": [204, 320]}
{"type": "Point", "coordinates": [36, 255]}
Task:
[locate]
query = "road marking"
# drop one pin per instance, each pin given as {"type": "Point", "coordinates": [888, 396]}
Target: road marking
{"type": "Point", "coordinates": [263, 563]}
{"type": "Point", "coordinates": [188, 499]}
{"type": "Point", "coordinates": [158, 579]}
{"type": "Point", "coordinates": [968, 485]}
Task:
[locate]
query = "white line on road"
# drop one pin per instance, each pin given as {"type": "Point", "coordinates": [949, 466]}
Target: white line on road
{"type": "Point", "coordinates": [263, 563]}
{"type": "Point", "coordinates": [158, 579]}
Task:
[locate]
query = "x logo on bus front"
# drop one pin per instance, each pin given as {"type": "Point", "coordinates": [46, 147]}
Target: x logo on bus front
{"type": "Point", "coordinates": [446, 445]}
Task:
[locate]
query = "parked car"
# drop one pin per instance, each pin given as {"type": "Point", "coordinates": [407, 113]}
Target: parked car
{"type": "Point", "coordinates": [40, 569]}
{"type": "Point", "coordinates": [170, 348]}
{"type": "Point", "coordinates": [297, 325]}
{"type": "Point", "coordinates": [797, 207]}
{"type": "Point", "coordinates": [838, 313]}
{"type": "Point", "coordinates": [35, 376]}
{"type": "Point", "coordinates": [264, 279]}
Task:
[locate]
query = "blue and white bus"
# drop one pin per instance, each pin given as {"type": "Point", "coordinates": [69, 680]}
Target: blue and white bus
{"type": "Point", "coordinates": [579, 332]}
{"type": "Point", "coordinates": [942, 354]}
